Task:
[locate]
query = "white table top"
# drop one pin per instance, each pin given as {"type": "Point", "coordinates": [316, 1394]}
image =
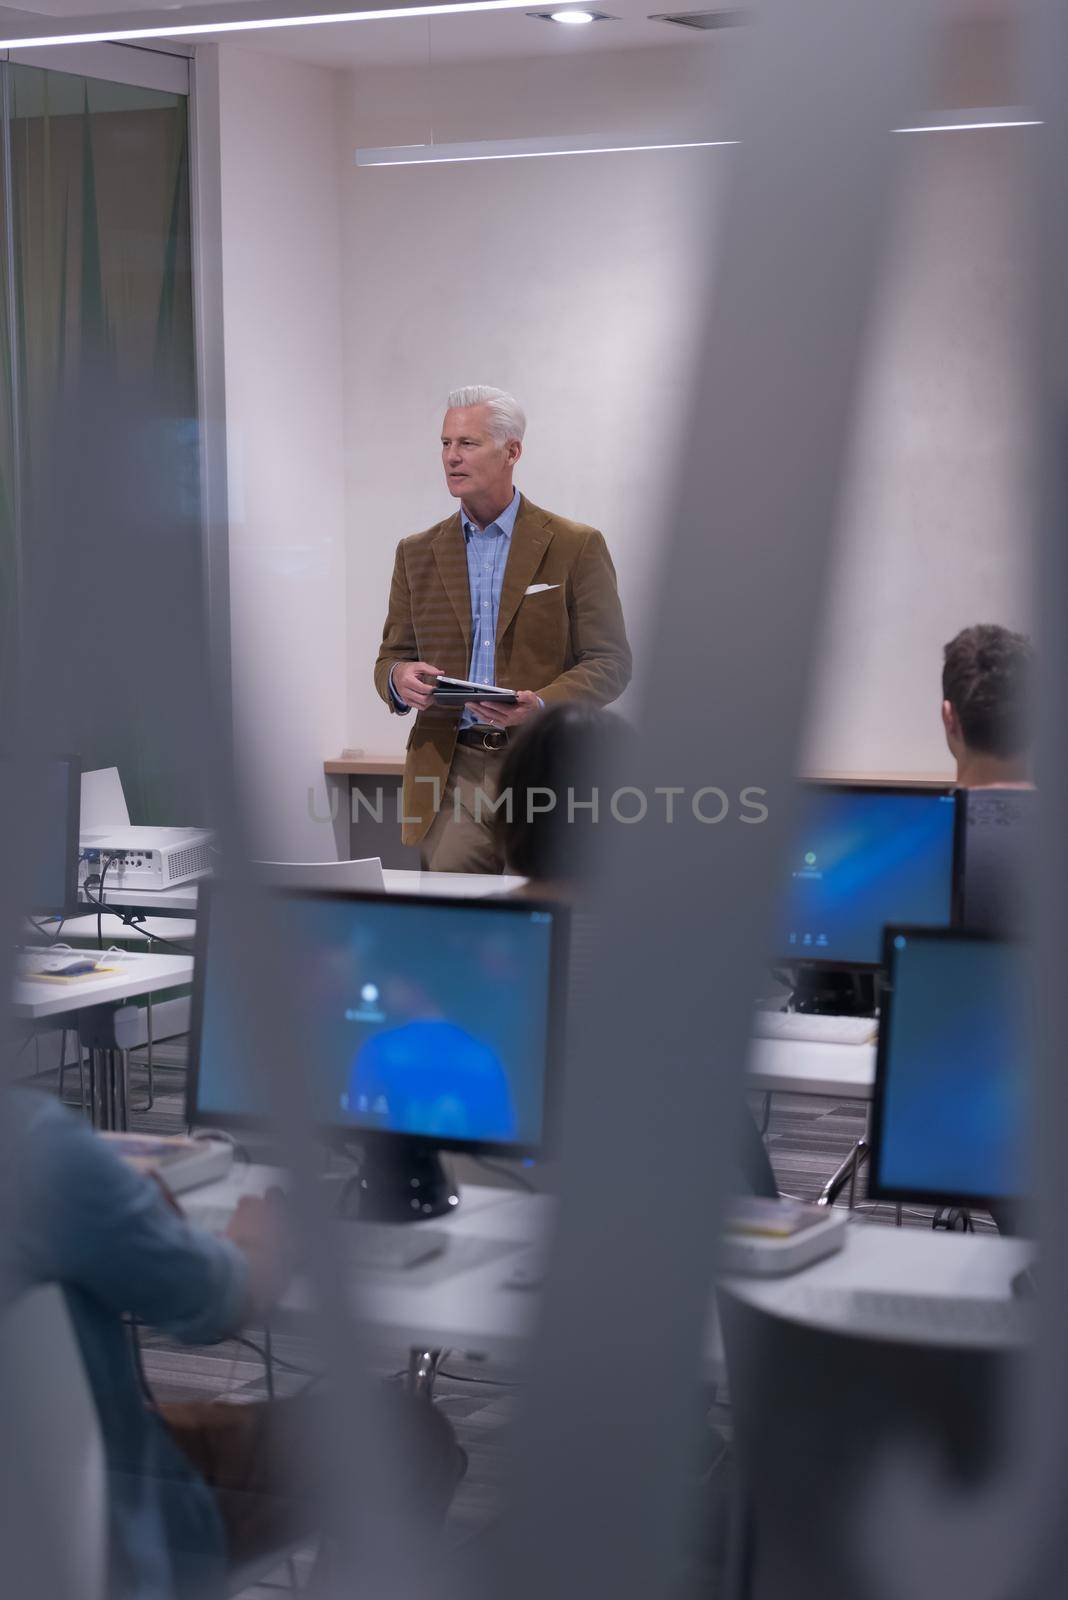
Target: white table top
{"type": "Point", "coordinates": [914, 1261]}
{"type": "Point", "coordinates": [470, 885]}
{"type": "Point", "coordinates": [459, 1299]}
{"type": "Point", "coordinates": [462, 1301]}
{"type": "Point", "coordinates": [181, 898]}
{"type": "Point", "coordinates": [112, 927]}
{"type": "Point", "coordinates": [137, 974]}
{"type": "Point", "coordinates": [801, 1066]}
{"type": "Point", "coordinates": [398, 880]}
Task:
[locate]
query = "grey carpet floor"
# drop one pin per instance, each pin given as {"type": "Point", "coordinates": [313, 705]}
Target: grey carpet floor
{"type": "Point", "coordinates": [807, 1138]}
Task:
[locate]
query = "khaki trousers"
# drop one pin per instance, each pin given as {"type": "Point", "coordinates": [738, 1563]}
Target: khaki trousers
{"type": "Point", "coordinates": [460, 838]}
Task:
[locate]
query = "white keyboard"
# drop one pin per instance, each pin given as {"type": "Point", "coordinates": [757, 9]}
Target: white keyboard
{"type": "Point", "coordinates": [374, 1246]}
{"type": "Point", "coordinates": [926, 1318]}
{"type": "Point", "coordinates": [817, 1030]}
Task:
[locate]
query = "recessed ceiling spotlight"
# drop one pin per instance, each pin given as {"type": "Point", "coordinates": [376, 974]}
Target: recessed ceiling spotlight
{"type": "Point", "coordinates": [573, 18]}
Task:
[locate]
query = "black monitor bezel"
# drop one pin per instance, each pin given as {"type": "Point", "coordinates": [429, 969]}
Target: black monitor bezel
{"type": "Point", "coordinates": [968, 798]}
{"type": "Point", "coordinates": [347, 1135]}
{"type": "Point", "coordinates": [877, 1189]}
{"type": "Point", "coordinates": [947, 790]}
{"type": "Point", "coordinates": [70, 906]}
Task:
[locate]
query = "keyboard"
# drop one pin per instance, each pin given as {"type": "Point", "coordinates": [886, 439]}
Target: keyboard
{"type": "Point", "coordinates": [815, 1029]}
{"type": "Point", "coordinates": [373, 1246]}
{"type": "Point", "coordinates": [924, 1318]}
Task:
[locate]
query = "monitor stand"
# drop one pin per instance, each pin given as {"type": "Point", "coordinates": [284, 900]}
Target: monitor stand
{"type": "Point", "coordinates": [829, 991]}
{"type": "Point", "coordinates": [399, 1183]}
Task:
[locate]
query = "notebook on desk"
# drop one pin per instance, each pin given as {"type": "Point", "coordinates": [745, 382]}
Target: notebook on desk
{"type": "Point", "coordinates": [67, 966]}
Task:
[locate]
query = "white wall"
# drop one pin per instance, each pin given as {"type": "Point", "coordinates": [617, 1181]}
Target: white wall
{"type": "Point", "coordinates": [355, 298]}
{"type": "Point", "coordinates": [935, 521]}
{"type": "Point", "coordinates": [282, 264]}
{"type": "Point", "coordinates": [570, 281]}
{"type": "Point", "coordinates": [573, 282]}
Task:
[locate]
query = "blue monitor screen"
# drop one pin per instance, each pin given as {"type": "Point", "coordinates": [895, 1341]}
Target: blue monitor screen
{"type": "Point", "coordinates": [859, 859]}
{"type": "Point", "coordinates": [954, 1071]}
{"type": "Point", "coordinates": [424, 1018]}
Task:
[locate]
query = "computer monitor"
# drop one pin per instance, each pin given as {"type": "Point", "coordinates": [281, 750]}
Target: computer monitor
{"type": "Point", "coordinates": [432, 1023]}
{"type": "Point", "coordinates": [52, 840]}
{"type": "Point", "coordinates": [953, 1070]}
{"type": "Point", "coordinates": [863, 856]}
{"type": "Point", "coordinates": [997, 836]}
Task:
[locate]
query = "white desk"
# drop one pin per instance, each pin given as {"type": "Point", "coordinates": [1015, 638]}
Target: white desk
{"type": "Point", "coordinates": [181, 898]}
{"type": "Point", "coordinates": [138, 974]}
{"type": "Point", "coordinates": [112, 928]}
{"type": "Point", "coordinates": [398, 880]}
{"type": "Point", "coordinates": [974, 1266]}
{"type": "Point", "coordinates": [457, 1301]}
{"type": "Point", "coordinates": [38, 1001]}
{"type": "Point", "coordinates": [461, 1300]}
{"type": "Point", "coordinates": [469, 885]}
{"type": "Point", "coordinates": [800, 1066]}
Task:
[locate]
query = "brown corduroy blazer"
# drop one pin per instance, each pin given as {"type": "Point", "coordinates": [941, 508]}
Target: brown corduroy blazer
{"type": "Point", "coordinates": [567, 642]}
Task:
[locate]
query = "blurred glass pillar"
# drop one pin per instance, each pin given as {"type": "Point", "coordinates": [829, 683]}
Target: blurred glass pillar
{"type": "Point", "coordinates": [100, 515]}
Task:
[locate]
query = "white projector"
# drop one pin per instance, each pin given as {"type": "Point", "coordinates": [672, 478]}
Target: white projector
{"type": "Point", "coordinates": [145, 858]}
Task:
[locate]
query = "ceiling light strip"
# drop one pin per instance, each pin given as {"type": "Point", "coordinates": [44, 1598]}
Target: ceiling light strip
{"type": "Point", "coordinates": [414, 155]}
{"type": "Point", "coordinates": [970, 127]}
{"type": "Point", "coordinates": [187, 30]}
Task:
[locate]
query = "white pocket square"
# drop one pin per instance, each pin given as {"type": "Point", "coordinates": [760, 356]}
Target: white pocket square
{"type": "Point", "coordinates": [540, 588]}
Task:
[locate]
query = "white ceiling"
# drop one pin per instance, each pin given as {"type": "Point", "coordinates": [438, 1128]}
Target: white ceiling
{"type": "Point", "coordinates": [465, 37]}
{"type": "Point", "coordinates": [496, 35]}
{"type": "Point", "coordinates": [407, 41]}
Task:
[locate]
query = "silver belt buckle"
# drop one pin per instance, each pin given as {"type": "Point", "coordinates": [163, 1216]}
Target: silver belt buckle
{"type": "Point", "coordinates": [494, 739]}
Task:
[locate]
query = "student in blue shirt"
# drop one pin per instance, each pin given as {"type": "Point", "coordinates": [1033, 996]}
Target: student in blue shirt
{"type": "Point", "coordinates": [193, 1487]}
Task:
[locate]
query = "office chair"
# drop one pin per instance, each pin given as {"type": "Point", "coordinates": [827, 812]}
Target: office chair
{"type": "Point", "coordinates": [53, 1484]}
{"type": "Point", "coordinates": [53, 1475]}
{"type": "Point", "coordinates": [815, 1413]}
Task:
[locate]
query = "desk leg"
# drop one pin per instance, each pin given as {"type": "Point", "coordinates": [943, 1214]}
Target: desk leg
{"type": "Point", "coordinates": [124, 1091]}
{"type": "Point", "coordinates": [861, 1152]}
{"type": "Point", "coordinates": [846, 1173]}
{"type": "Point", "coordinates": [95, 1080]}
{"type": "Point", "coordinates": [110, 1097]}
{"type": "Point", "coordinates": [109, 1089]}
{"type": "Point", "coordinates": [149, 1060]}
{"type": "Point", "coordinates": [422, 1370]}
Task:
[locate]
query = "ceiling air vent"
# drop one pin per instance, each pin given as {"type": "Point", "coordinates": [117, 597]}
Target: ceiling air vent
{"type": "Point", "coordinates": [703, 20]}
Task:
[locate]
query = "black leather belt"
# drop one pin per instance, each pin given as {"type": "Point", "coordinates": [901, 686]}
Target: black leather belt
{"type": "Point", "coordinates": [483, 738]}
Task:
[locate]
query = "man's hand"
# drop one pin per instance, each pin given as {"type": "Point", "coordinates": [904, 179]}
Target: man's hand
{"type": "Point", "coordinates": [410, 682]}
{"type": "Point", "coordinates": [507, 716]}
{"type": "Point", "coordinates": [262, 1231]}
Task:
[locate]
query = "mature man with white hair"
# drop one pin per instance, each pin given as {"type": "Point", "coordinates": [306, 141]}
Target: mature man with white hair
{"type": "Point", "coordinates": [499, 593]}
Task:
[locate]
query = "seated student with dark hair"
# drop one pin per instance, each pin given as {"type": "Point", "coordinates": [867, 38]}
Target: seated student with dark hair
{"type": "Point", "coordinates": [987, 681]}
{"type": "Point", "coordinates": [194, 1488]}
{"type": "Point", "coordinates": [571, 747]}
{"type": "Point", "coordinates": [987, 688]}
{"type": "Point", "coordinates": [560, 752]}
